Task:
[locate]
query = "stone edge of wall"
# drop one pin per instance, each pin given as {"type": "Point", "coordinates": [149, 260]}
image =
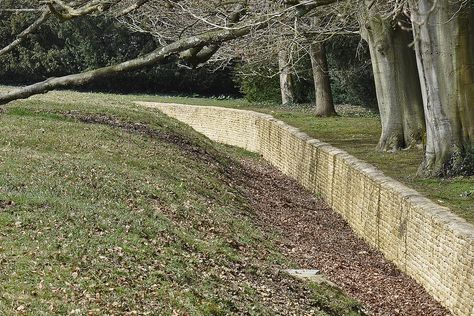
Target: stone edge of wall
{"type": "Point", "coordinates": [450, 226]}
{"type": "Point", "coordinates": [444, 213]}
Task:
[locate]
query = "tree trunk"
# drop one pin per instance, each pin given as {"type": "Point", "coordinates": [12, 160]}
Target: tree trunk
{"type": "Point", "coordinates": [322, 85]}
{"type": "Point", "coordinates": [286, 78]}
{"type": "Point", "coordinates": [397, 84]}
{"type": "Point", "coordinates": [444, 41]}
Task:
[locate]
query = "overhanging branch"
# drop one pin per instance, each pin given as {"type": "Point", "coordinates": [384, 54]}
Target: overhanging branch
{"type": "Point", "coordinates": [159, 56]}
{"type": "Point", "coordinates": [22, 36]}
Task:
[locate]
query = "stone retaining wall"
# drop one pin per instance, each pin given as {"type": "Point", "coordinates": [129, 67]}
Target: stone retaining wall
{"type": "Point", "coordinates": [423, 239]}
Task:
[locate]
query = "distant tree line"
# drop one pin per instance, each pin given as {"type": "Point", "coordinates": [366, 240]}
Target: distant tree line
{"type": "Point", "coordinates": [61, 48]}
{"type": "Point", "coordinates": [74, 46]}
{"type": "Point", "coordinates": [349, 68]}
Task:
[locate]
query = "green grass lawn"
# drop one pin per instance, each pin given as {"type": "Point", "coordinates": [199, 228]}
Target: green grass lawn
{"type": "Point", "coordinates": [98, 219]}
{"type": "Point", "coordinates": [358, 135]}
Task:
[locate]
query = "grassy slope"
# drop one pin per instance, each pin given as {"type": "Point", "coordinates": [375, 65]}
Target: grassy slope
{"type": "Point", "coordinates": [96, 219]}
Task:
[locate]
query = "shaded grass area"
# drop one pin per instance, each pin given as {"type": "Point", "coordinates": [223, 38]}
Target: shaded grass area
{"type": "Point", "coordinates": [109, 208]}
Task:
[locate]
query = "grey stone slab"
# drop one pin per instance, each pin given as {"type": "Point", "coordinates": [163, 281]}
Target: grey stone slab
{"type": "Point", "coordinates": [312, 275]}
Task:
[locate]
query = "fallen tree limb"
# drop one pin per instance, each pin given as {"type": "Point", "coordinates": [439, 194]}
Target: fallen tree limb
{"type": "Point", "coordinates": [196, 48]}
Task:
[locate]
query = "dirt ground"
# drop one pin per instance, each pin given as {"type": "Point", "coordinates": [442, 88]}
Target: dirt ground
{"type": "Point", "coordinates": [318, 238]}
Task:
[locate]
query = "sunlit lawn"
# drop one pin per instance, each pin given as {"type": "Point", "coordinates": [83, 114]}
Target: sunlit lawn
{"type": "Point", "coordinates": [97, 219]}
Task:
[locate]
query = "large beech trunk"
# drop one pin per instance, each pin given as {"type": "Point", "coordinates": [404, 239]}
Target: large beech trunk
{"type": "Point", "coordinates": [444, 40]}
{"type": "Point", "coordinates": [322, 86]}
{"type": "Point", "coordinates": [286, 78]}
{"type": "Point", "coordinates": [397, 84]}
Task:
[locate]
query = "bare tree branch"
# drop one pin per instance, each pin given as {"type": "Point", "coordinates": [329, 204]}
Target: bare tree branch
{"type": "Point", "coordinates": [21, 10]}
{"type": "Point", "coordinates": [66, 12]}
{"type": "Point", "coordinates": [23, 35]}
{"type": "Point", "coordinates": [191, 30]}
{"type": "Point", "coordinates": [69, 14]}
{"type": "Point", "coordinates": [137, 4]}
{"type": "Point", "coordinates": [159, 56]}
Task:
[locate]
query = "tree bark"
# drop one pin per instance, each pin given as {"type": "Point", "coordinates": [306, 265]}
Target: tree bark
{"type": "Point", "coordinates": [286, 79]}
{"type": "Point", "coordinates": [444, 41]}
{"type": "Point", "coordinates": [397, 84]}
{"type": "Point", "coordinates": [322, 86]}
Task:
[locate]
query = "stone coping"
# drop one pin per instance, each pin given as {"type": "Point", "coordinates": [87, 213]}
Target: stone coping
{"type": "Point", "coordinates": [424, 239]}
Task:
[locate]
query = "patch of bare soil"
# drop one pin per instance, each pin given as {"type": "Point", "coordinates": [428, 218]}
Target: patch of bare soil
{"type": "Point", "coordinates": [318, 238]}
{"type": "Point", "coordinates": [4, 204]}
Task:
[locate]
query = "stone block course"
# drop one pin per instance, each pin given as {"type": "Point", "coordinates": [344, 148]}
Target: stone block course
{"type": "Point", "coordinates": [423, 239]}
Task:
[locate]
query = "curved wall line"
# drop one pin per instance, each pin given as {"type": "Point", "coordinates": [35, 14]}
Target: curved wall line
{"type": "Point", "coordinates": [423, 239]}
